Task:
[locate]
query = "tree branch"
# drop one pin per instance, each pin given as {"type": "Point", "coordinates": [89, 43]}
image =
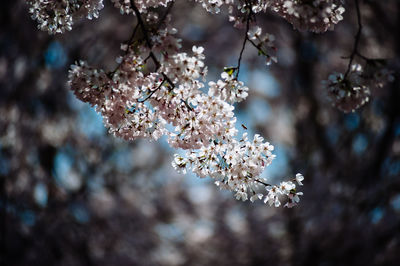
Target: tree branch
{"type": "Point", "coordinates": [148, 42]}
{"type": "Point", "coordinates": [152, 92]}
{"type": "Point", "coordinates": [357, 38]}
{"type": "Point", "coordinates": [261, 182]}
{"type": "Point", "coordinates": [244, 43]}
{"type": "Point", "coordinates": [111, 74]}
{"type": "Point", "coordinates": [151, 54]}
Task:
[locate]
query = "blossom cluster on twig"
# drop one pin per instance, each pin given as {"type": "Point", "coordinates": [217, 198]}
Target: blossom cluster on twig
{"type": "Point", "coordinates": [169, 96]}
{"type": "Point", "coordinates": [138, 102]}
{"type": "Point", "coordinates": [351, 90]}
{"type": "Point", "coordinates": [314, 15]}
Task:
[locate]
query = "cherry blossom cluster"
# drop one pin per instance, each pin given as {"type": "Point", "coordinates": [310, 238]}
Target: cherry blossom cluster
{"type": "Point", "coordinates": [347, 92]}
{"type": "Point", "coordinates": [125, 6]}
{"type": "Point", "coordinates": [228, 89]}
{"type": "Point", "coordinates": [263, 43]}
{"type": "Point", "coordinates": [136, 102]}
{"type": "Point", "coordinates": [241, 11]}
{"type": "Point", "coordinates": [312, 15]}
{"type": "Point", "coordinates": [255, 6]}
{"type": "Point", "coordinates": [245, 18]}
{"type": "Point", "coordinates": [352, 90]}
{"type": "Point", "coordinates": [58, 16]}
{"type": "Point", "coordinates": [157, 90]}
{"type": "Point", "coordinates": [213, 6]}
{"type": "Point", "coordinates": [376, 73]}
{"type": "Point", "coordinates": [236, 165]}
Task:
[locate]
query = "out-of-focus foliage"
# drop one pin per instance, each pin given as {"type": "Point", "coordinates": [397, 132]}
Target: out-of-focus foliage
{"type": "Point", "coordinates": [73, 195]}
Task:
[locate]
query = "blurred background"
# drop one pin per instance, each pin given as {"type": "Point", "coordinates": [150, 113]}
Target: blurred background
{"type": "Point", "coordinates": [71, 194]}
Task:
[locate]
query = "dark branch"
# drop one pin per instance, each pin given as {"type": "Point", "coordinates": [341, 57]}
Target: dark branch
{"type": "Point", "coordinates": [244, 43]}
{"type": "Point", "coordinates": [152, 92]}
{"type": "Point", "coordinates": [129, 43]}
{"type": "Point", "coordinates": [148, 42]}
{"type": "Point", "coordinates": [357, 39]}
{"type": "Point", "coordinates": [165, 15]}
{"type": "Point", "coordinates": [261, 182]}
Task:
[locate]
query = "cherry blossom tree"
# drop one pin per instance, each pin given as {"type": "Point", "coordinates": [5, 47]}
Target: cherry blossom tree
{"type": "Point", "coordinates": [155, 85]}
{"type": "Point", "coordinates": [150, 76]}
{"type": "Point", "coordinates": [139, 98]}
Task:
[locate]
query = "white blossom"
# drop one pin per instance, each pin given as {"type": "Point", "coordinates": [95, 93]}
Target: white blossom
{"type": "Point", "coordinates": [350, 92]}
{"type": "Point", "coordinates": [57, 16]}
{"type": "Point", "coordinates": [299, 178]}
{"type": "Point", "coordinates": [314, 15]}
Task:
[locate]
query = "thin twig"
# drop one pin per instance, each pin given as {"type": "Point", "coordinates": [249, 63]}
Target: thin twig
{"type": "Point", "coordinates": [362, 57]}
{"type": "Point", "coordinates": [152, 92]}
{"type": "Point", "coordinates": [147, 58]}
{"type": "Point", "coordinates": [148, 42]}
{"type": "Point", "coordinates": [129, 43]}
{"type": "Point", "coordinates": [142, 25]}
{"type": "Point", "coordinates": [151, 54]}
{"type": "Point", "coordinates": [187, 105]}
{"type": "Point", "coordinates": [261, 182]}
{"type": "Point", "coordinates": [253, 43]}
{"type": "Point", "coordinates": [161, 21]}
{"type": "Point", "coordinates": [244, 43]}
{"type": "Point", "coordinates": [133, 34]}
{"type": "Point", "coordinates": [357, 37]}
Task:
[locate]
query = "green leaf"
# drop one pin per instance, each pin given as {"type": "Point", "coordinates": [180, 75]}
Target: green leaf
{"type": "Point", "coordinates": [230, 70]}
